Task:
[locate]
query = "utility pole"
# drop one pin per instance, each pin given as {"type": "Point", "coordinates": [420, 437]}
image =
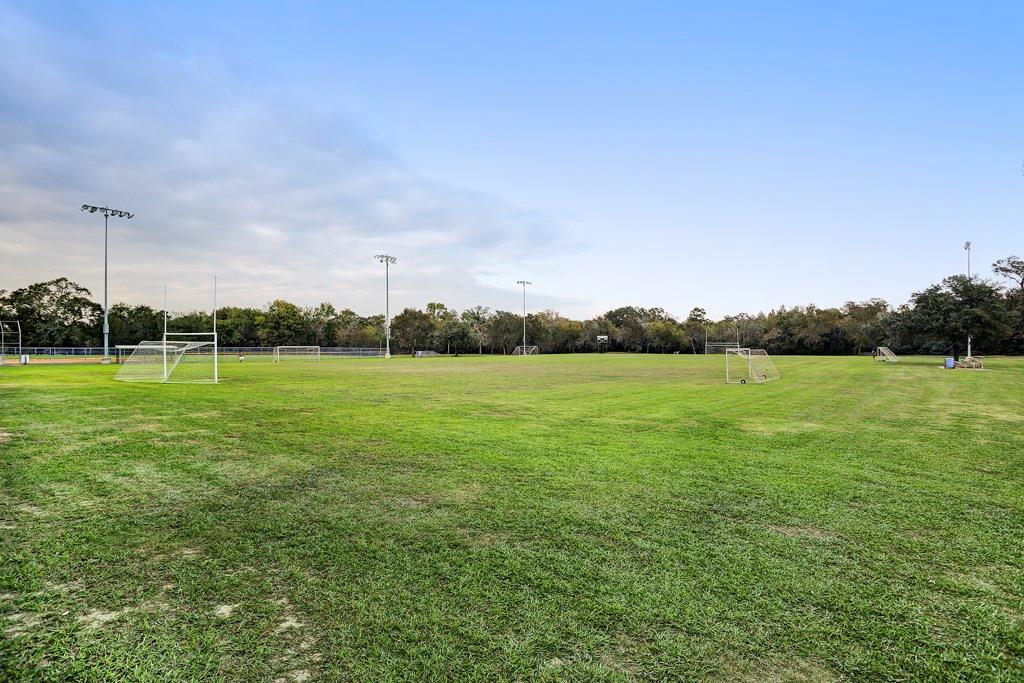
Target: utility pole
{"type": "Point", "coordinates": [107, 213]}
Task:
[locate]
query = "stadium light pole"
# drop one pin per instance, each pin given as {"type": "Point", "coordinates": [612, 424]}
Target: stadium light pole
{"type": "Point", "coordinates": [524, 283]}
{"type": "Point", "coordinates": [387, 260]}
{"type": "Point", "coordinates": [967, 248]}
{"type": "Point", "coordinates": [107, 213]}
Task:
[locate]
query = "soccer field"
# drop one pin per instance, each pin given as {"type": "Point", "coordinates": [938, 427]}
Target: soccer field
{"type": "Point", "coordinates": [600, 517]}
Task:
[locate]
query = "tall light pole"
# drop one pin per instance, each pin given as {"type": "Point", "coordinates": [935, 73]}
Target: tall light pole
{"type": "Point", "coordinates": [107, 213]}
{"type": "Point", "coordinates": [524, 283]}
{"type": "Point", "coordinates": [967, 248]}
{"type": "Point", "coordinates": [387, 261]}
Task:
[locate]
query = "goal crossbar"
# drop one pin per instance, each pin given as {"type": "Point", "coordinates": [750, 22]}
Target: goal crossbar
{"type": "Point", "coordinates": [526, 351]}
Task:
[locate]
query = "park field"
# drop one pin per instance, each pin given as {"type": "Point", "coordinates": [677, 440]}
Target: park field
{"type": "Point", "coordinates": [583, 518]}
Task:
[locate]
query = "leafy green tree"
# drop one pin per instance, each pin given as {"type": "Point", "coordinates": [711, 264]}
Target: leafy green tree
{"type": "Point", "coordinates": [666, 337]}
{"type": "Point", "coordinates": [412, 330]}
{"type": "Point", "coordinates": [505, 331]}
{"type": "Point", "coordinates": [285, 325]}
{"type": "Point", "coordinates": [440, 313]}
{"type": "Point", "coordinates": [133, 324]}
{"type": "Point", "coordinates": [323, 322]}
{"type": "Point", "coordinates": [455, 336]}
{"type": "Point", "coordinates": [477, 319]}
{"type": "Point", "coordinates": [942, 316]}
{"type": "Point", "coordinates": [240, 326]}
{"type": "Point", "coordinates": [864, 323]}
{"type": "Point", "coordinates": [1011, 268]}
{"type": "Point", "coordinates": [55, 313]}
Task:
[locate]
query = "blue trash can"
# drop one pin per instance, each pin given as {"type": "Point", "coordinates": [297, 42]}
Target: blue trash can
{"type": "Point", "coordinates": [950, 363]}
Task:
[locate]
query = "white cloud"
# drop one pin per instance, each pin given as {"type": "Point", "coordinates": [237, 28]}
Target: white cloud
{"type": "Point", "coordinates": [278, 199]}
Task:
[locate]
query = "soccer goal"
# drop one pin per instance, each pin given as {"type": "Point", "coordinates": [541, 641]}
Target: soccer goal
{"type": "Point", "coordinates": [749, 365]}
{"type": "Point", "coordinates": [719, 346]}
{"type": "Point", "coordinates": [179, 358]}
{"type": "Point", "coordinates": [310, 353]}
{"type": "Point", "coordinates": [10, 340]}
{"type": "Point", "coordinates": [885, 354]}
{"type": "Point", "coordinates": [526, 351]}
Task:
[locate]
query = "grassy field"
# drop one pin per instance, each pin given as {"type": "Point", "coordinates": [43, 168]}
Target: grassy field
{"type": "Point", "coordinates": [550, 518]}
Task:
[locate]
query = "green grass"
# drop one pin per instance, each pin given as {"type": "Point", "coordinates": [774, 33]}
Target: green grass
{"type": "Point", "coordinates": [552, 518]}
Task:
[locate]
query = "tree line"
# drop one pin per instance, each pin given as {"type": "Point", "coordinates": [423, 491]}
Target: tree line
{"type": "Point", "coordinates": [937, 319]}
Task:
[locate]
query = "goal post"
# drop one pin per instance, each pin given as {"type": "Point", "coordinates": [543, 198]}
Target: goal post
{"type": "Point", "coordinates": [754, 366]}
{"type": "Point", "coordinates": [526, 351]}
{"type": "Point", "coordinates": [308, 353]}
{"type": "Point", "coordinates": [179, 358]}
{"type": "Point", "coordinates": [884, 354]}
{"type": "Point", "coordinates": [10, 340]}
{"type": "Point", "coordinates": [711, 347]}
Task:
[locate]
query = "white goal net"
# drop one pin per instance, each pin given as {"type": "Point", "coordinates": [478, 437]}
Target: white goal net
{"type": "Point", "coordinates": [526, 351]}
{"type": "Point", "coordinates": [744, 366]}
{"type": "Point", "coordinates": [885, 354]}
{"type": "Point", "coordinates": [310, 353]}
{"type": "Point", "coordinates": [178, 358]}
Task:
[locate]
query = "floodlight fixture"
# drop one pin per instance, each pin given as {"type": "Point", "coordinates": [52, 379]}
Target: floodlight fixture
{"type": "Point", "coordinates": [387, 260]}
{"type": "Point", "coordinates": [107, 213]}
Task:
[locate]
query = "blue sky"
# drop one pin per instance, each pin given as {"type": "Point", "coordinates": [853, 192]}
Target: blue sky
{"type": "Point", "coordinates": [735, 156]}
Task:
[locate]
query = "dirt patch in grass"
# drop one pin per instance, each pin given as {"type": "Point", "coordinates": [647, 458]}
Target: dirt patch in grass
{"type": "Point", "coordinates": [795, 670]}
{"type": "Point", "coordinates": [68, 587]}
{"type": "Point", "coordinates": [33, 510]}
{"type": "Point", "coordinates": [21, 622]}
{"type": "Point", "coordinates": [301, 657]}
{"type": "Point", "coordinates": [6, 436]}
{"type": "Point", "coordinates": [799, 531]}
{"type": "Point", "coordinates": [419, 501]}
{"type": "Point", "coordinates": [224, 611]}
{"type": "Point", "coordinates": [97, 618]}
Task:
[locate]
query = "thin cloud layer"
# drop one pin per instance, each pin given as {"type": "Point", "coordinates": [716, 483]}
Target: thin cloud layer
{"type": "Point", "coordinates": [277, 199]}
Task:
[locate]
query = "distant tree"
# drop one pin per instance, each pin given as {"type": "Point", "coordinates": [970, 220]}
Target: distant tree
{"type": "Point", "coordinates": [695, 327]}
{"type": "Point", "coordinates": [505, 330]}
{"type": "Point", "coordinates": [412, 330]}
{"type": "Point", "coordinates": [285, 325]}
{"type": "Point", "coordinates": [1012, 268]}
{"type": "Point", "coordinates": [666, 337]}
{"type": "Point", "coordinates": [943, 315]}
{"type": "Point", "coordinates": [133, 324]}
{"type": "Point", "coordinates": [439, 312]}
{"type": "Point", "coordinates": [323, 322]}
{"type": "Point", "coordinates": [455, 336]}
{"type": "Point", "coordinates": [55, 313]}
{"type": "Point", "coordinates": [864, 323]}
{"type": "Point", "coordinates": [477, 318]}
{"type": "Point", "coordinates": [240, 326]}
